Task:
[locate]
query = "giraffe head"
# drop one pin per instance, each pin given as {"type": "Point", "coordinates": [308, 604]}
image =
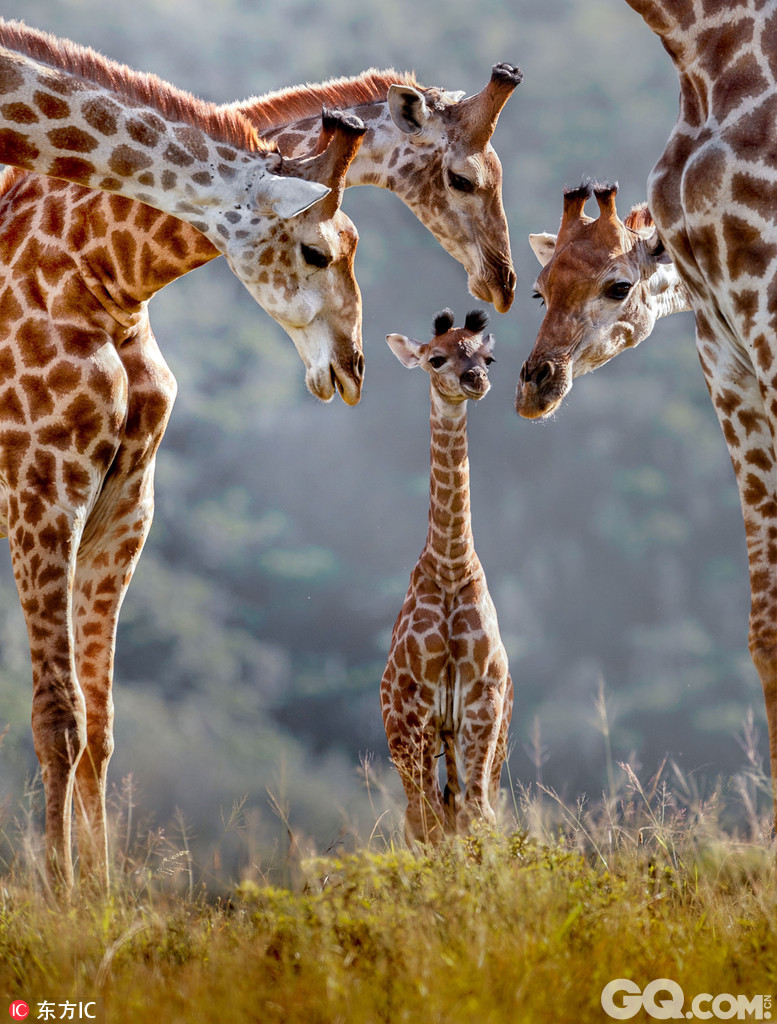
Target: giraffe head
{"type": "Point", "coordinates": [303, 267]}
{"type": "Point", "coordinates": [604, 282]}
{"type": "Point", "coordinates": [456, 359]}
{"type": "Point", "coordinates": [459, 194]}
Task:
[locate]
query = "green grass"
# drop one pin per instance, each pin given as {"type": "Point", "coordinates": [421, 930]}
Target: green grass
{"type": "Point", "coordinates": [527, 923]}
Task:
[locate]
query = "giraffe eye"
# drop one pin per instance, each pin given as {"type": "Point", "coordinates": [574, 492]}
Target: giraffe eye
{"type": "Point", "coordinates": [489, 360]}
{"type": "Point", "coordinates": [460, 183]}
{"type": "Point", "coordinates": [619, 290]}
{"type": "Point", "coordinates": [437, 361]}
{"type": "Point", "coordinates": [315, 257]}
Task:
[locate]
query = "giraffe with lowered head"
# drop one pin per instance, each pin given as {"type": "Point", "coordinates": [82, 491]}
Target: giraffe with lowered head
{"type": "Point", "coordinates": [713, 198]}
{"type": "Point", "coordinates": [84, 392]}
{"type": "Point", "coordinates": [446, 687]}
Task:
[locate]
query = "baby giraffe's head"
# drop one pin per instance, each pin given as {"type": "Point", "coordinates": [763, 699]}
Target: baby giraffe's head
{"type": "Point", "coordinates": [456, 359]}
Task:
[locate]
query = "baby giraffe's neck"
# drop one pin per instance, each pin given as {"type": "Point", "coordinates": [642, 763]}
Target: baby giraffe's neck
{"type": "Point", "coordinates": [449, 555]}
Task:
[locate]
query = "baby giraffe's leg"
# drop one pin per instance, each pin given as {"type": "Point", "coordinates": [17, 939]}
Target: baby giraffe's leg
{"type": "Point", "coordinates": [501, 744]}
{"type": "Point", "coordinates": [409, 694]}
{"type": "Point", "coordinates": [484, 685]}
{"type": "Point", "coordinates": [414, 742]}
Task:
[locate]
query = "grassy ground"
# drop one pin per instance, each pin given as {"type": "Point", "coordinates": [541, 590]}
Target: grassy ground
{"type": "Point", "coordinates": [528, 923]}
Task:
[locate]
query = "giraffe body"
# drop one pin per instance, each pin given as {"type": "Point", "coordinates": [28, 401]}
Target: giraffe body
{"type": "Point", "coordinates": [446, 687]}
{"type": "Point", "coordinates": [711, 195]}
{"type": "Point", "coordinates": [85, 396]}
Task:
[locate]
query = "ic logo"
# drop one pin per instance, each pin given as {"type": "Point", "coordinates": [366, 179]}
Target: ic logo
{"type": "Point", "coordinates": [18, 1009]}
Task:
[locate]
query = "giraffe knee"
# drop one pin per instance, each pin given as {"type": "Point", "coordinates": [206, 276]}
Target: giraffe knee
{"type": "Point", "coordinates": [59, 736]}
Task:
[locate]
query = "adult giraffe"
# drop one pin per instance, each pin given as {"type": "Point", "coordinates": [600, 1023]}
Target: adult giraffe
{"type": "Point", "coordinates": [713, 196]}
{"type": "Point", "coordinates": [84, 392]}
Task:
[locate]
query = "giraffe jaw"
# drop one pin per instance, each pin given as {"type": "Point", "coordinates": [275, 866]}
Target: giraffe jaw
{"type": "Point", "coordinates": [500, 292]}
{"type": "Point", "coordinates": [325, 382]}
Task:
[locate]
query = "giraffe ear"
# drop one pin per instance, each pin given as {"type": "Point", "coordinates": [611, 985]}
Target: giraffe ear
{"type": "Point", "coordinates": [405, 349]}
{"type": "Point", "coordinates": [286, 197]}
{"type": "Point", "coordinates": [487, 345]}
{"type": "Point", "coordinates": [408, 109]}
{"type": "Point", "coordinates": [544, 246]}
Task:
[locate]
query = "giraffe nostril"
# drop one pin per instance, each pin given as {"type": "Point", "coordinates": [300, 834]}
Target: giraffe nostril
{"type": "Point", "coordinates": [358, 366]}
{"type": "Point", "coordinates": [544, 373]}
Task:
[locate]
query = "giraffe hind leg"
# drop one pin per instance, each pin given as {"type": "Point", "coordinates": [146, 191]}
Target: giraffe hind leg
{"type": "Point", "coordinates": [452, 790]}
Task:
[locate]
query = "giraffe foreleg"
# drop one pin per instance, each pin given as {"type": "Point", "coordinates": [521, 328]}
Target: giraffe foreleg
{"type": "Point", "coordinates": [43, 563]}
{"type": "Point", "coordinates": [500, 755]}
{"type": "Point", "coordinates": [104, 571]}
{"type": "Point", "coordinates": [486, 695]}
{"type": "Point", "coordinates": [744, 405]}
{"type": "Point", "coordinates": [414, 742]}
{"type": "Point", "coordinates": [107, 559]}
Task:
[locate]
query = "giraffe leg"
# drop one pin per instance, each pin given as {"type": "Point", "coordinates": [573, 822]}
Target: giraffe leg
{"type": "Point", "coordinates": [749, 425]}
{"type": "Point", "coordinates": [486, 699]}
{"type": "Point", "coordinates": [480, 734]}
{"type": "Point", "coordinates": [105, 567]}
{"type": "Point", "coordinates": [500, 754]}
{"type": "Point", "coordinates": [43, 565]}
{"type": "Point", "coordinates": [107, 560]}
{"type": "Point", "coordinates": [425, 817]}
{"type": "Point", "coordinates": [414, 742]}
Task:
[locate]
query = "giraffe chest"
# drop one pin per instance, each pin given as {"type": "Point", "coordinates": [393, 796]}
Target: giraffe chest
{"type": "Point", "coordinates": [442, 646]}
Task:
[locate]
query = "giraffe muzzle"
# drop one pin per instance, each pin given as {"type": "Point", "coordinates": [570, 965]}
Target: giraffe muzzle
{"type": "Point", "coordinates": [541, 388]}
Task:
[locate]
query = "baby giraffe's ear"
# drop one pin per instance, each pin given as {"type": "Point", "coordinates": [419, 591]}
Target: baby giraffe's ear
{"type": "Point", "coordinates": [405, 349]}
{"type": "Point", "coordinates": [487, 345]}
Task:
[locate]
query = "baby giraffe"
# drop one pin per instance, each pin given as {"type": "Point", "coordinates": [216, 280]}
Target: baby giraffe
{"type": "Point", "coordinates": [446, 687]}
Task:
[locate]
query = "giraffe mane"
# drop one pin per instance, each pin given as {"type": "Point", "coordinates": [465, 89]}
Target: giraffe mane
{"type": "Point", "coordinates": [223, 124]}
{"type": "Point", "coordinates": [297, 102]}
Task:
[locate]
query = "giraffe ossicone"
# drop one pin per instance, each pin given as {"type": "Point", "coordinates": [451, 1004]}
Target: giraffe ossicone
{"type": "Point", "coordinates": [446, 689]}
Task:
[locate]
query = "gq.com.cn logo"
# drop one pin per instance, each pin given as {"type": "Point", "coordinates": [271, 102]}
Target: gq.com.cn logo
{"type": "Point", "coordinates": [663, 999]}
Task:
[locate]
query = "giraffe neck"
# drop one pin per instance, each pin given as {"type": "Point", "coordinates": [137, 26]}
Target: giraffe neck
{"type": "Point", "coordinates": [696, 32]}
{"type": "Point", "coordinates": [59, 123]}
{"type": "Point", "coordinates": [130, 251]}
{"type": "Point", "coordinates": [292, 118]}
{"type": "Point", "coordinates": [449, 554]}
